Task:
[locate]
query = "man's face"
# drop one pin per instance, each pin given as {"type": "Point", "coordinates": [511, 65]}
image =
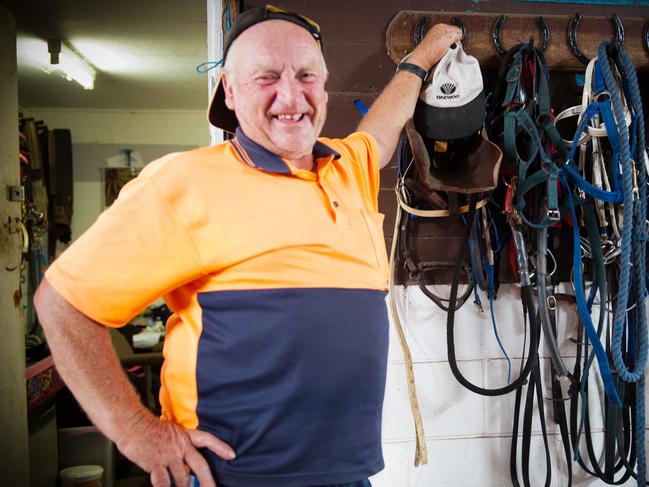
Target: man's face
{"type": "Point", "coordinates": [276, 87]}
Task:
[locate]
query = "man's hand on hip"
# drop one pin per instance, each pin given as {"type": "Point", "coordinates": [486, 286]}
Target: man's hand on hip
{"type": "Point", "coordinates": [168, 452]}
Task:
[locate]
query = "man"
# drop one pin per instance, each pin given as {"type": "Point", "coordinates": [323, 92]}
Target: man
{"type": "Point", "coordinates": [269, 251]}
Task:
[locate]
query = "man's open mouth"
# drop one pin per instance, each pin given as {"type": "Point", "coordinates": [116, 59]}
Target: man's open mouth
{"type": "Point", "coordinates": [289, 117]}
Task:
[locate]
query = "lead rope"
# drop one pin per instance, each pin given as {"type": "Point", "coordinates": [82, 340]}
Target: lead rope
{"type": "Point", "coordinates": [596, 104]}
{"type": "Point", "coordinates": [633, 232]}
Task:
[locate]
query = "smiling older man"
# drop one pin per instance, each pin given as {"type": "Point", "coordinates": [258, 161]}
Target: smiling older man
{"type": "Point", "coordinates": [269, 251]}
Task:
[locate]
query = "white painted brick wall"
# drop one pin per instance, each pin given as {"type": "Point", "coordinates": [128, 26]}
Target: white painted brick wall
{"type": "Point", "coordinates": [468, 436]}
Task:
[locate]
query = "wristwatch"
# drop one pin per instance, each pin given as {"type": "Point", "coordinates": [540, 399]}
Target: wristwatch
{"type": "Point", "coordinates": [413, 68]}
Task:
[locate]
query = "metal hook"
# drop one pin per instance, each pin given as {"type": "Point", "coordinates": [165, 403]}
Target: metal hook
{"type": "Point", "coordinates": [500, 22]}
{"type": "Point", "coordinates": [457, 21]}
{"type": "Point", "coordinates": [619, 30]}
{"type": "Point", "coordinates": [572, 39]}
{"type": "Point", "coordinates": [495, 35]}
{"type": "Point", "coordinates": [418, 31]}
{"type": "Point", "coordinates": [545, 31]}
{"type": "Point", "coordinates": [572, 36]}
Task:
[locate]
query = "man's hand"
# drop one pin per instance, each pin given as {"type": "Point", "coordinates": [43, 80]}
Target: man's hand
{"type": "Point", "coordinates": [434, 45]}
{"type": "Point", "coordinates": [167, 451]}
{"type": "Point", "coordinates": [396, 104]}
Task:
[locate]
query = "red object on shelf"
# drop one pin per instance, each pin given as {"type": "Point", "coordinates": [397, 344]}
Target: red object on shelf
{"type": "Point", "coordinates": [42, 382]}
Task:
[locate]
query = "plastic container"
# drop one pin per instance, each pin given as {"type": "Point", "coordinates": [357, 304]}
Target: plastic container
{"type": "Point", "coordinates": [82, 476]}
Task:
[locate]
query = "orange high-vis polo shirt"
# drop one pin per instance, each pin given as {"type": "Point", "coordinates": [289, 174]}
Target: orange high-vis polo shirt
{"type": "Point", "coordinates": [277, 278]}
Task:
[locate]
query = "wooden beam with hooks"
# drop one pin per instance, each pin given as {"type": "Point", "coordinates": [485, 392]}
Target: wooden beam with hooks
{"type": "Point", "coordinates": [520, 28]}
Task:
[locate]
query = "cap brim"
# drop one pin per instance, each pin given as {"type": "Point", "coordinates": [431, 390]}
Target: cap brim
{"type": "Point", "coordinates": [478, 172]}
{"type": "Point", "coordinates": [450, 123]}
{"type": "Point", "coordinates": [218, 113]}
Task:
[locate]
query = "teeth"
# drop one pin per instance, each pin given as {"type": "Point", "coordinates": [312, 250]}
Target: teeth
{"type": "Point", "coordinates": [287, 116]}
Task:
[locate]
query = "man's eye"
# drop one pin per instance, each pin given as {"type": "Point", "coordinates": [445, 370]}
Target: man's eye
{"type": "Point", "coordinates": [266, 78]}
{"type": "Point", "coordinates": [308, 76]}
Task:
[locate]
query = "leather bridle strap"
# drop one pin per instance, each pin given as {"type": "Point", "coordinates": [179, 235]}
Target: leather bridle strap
{"type": "Point", "coordinates": [421, 453]}
{"type": "Point", "coordinates": [544, 302]}
{"type": "Point", "coordinates": [434, 213]}
{"type": "Point", "coordinates": [424, 267]}
{"type": "Point", "coordinates": [450, 322]}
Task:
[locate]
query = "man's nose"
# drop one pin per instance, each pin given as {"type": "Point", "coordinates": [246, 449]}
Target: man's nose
{"type": "Point", "coordinates": [289, 91]}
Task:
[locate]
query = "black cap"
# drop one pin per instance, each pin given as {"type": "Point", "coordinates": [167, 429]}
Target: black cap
{"type": "Point", "coordinates": [269, 12]}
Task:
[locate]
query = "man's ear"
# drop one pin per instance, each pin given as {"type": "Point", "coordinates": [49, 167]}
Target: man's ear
{"type": "Point", "coordinates": [227, 89]}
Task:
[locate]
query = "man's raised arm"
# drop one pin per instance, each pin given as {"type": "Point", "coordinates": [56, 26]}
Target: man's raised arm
{"type": "Point", "coordinates": [396, 103]}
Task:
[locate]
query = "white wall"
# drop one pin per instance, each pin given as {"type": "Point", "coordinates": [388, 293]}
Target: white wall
{"type": "Point", "coordinates": [468, 436]}
{"type": "Point", "coordinates": [179, 127]}
{"type": "Point", "coordinates": [99, 134]}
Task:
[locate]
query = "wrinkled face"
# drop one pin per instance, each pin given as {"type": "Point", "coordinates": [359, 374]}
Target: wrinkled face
{"type": "Point", "coordinates": [274, 81]}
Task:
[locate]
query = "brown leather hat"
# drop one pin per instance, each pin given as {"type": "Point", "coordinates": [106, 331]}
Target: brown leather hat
{"type": "Point", "coordinates": [475, 172]}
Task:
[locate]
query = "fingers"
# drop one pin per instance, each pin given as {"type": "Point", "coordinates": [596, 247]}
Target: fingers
{"type": "Point", "coordinates": [456, 35]}
{"type": "Point", "coordinates": [179, 473]}
{"type": "Point", "coordinates": [159, 477]}
{"type": "Point", "coordinates": [169, 452]}
{"type": "Point", "coordinates": [435, 44]}
{"type": "Point", "coordinates": [441, 29]}
{"type": "Point", "coordinates": [199, 468]}
{"type": "Point", "coordinates": [203, 439]}
{"type": "Point", "coordinates": [448, 35]}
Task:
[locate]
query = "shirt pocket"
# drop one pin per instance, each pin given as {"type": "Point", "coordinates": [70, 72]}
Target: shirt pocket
{"type": "Point", "coordinates": [374, 223]}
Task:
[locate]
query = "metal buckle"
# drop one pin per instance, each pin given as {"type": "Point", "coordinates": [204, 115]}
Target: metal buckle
{"type": "Point", "coordinates": [602, 93]}
{"type": "Point", "coordinates": [554, 215]}
{"type": "Point", "coordinates": [612, 254]}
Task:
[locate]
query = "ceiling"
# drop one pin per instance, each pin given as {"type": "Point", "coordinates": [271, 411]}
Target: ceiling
{"type": "Point", "coordinates": [145, 52]}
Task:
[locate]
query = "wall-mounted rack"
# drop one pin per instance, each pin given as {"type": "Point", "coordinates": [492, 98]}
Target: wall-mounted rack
{"type": "Point", "coordinates": [589, 32]}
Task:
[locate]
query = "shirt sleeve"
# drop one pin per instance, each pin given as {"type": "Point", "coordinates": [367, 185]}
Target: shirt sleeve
{"type": "Point", "coordinates": [362, 150]}
{"type": "Point", "coordinates": [135, 252]}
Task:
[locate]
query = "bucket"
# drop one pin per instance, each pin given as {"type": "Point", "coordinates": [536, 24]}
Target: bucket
{"type": "Point", "coordinates": [82, 476]}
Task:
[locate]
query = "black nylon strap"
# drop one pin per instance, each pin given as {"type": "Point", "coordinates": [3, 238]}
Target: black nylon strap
{"type": "Point", "coordinates": [534, 391]}
{"type": "Point", "coordinates": [559, 408]}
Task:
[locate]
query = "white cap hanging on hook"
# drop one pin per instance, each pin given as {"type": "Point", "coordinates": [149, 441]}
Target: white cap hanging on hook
{"type": "Point", "coordinates": [451, 103]}
{"type": "Point", "coordinates": [450, 149]}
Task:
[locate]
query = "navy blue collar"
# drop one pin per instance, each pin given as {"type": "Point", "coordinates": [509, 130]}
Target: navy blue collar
{"type": "Point", "coordinates": [257, 156]}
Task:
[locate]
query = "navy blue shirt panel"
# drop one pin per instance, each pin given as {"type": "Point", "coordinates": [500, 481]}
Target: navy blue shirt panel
{"type": "Point", "coordinates": [293, 380]}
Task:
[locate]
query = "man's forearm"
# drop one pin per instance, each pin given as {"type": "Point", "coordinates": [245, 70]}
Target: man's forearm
{"type": "Point", "coordinates": [390, 112]}
{"type": "Point", "coordinates": [84, 356]}
{"type": "Point", "coordinates": [396, 103]}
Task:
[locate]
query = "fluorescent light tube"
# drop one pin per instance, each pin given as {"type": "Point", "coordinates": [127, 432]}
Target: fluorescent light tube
{"type": "Point", "coordinates": [76, 68]}
{"type": "Point", "coordinates": [71, 65]}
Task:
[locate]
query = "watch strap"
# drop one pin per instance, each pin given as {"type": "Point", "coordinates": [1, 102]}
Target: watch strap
{"type": "Point", "coordinates": [413, 68]}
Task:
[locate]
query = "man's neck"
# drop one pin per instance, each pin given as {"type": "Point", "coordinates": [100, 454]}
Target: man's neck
{"type": "Point", "coordinates": [304, 162]}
